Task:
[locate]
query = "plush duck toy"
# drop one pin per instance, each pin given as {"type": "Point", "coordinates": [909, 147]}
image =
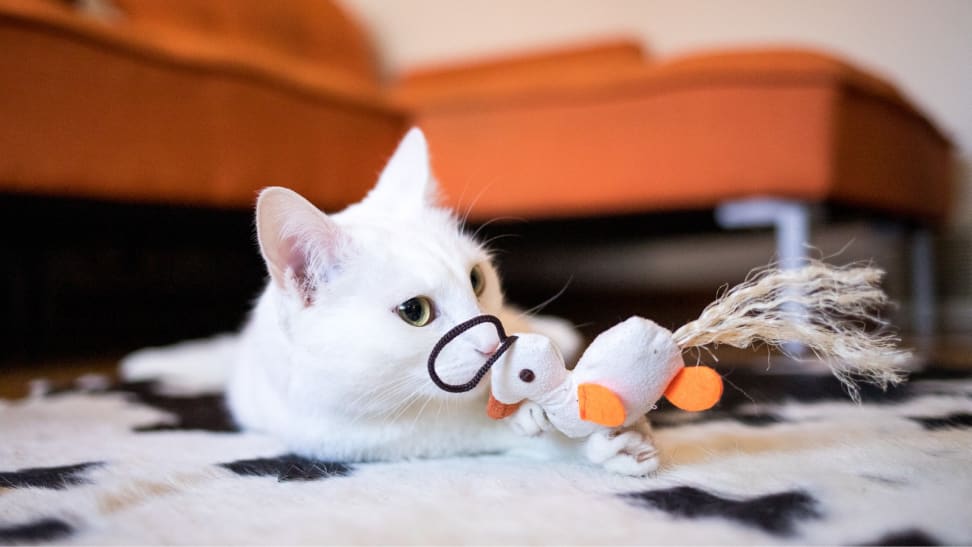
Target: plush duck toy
{"type": "Point", "coordinates": [629, 367]}
{"type": "Point", "coordinates": [619, 378]}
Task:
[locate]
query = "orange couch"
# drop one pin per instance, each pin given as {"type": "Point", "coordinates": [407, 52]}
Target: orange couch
{"type": "Point", "coordinates": [205, 101]}
{"type": "Point", "coordinates": [620, 134]}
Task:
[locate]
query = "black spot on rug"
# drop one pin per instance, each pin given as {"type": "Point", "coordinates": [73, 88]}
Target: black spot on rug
{"type": "Point", "coordinates": [205, 412]}
{"type": "Point", "coordinates": [47, 529]}
{"type": "Point", "coordinates": [959, 420]}
{"type": "Point", "coordinates": [668, 417]}
{"type": "Point", "coordinates": [54, 478]}
{"type": "Point", "coordinates": [906, 537]}
{"type": "Point", "coordinates": [288, 467]}
{"type": "Point", "coordinates": [773, 513]}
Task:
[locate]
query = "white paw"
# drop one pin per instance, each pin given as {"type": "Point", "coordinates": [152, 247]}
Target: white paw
{"type": "Point", "coordinates": [636, 465]}
{"type": "Point", "coordinates": [627, 452]}
{"type": "Point", "coordinates": [606, 444]}
{"type": "Point", "coordinates": [529, 420]}
{"type": "Point", "coordinates": [195, 364]}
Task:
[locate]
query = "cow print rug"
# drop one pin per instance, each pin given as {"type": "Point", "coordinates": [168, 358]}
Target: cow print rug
{"type": "Point", "coordinates": [790, 460]}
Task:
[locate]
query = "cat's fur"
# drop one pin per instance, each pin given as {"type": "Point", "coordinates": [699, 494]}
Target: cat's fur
{"type": "Point", "coordinates": [327, 364]}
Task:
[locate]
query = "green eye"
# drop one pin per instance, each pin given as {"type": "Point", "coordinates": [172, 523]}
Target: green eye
{"type": "Point", "coordinates": [477, 280]}
{"type": "Point", "coordinates": [416, 311]}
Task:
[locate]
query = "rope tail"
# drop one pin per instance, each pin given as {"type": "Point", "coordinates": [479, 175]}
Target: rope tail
{"type": "Point", "coordinates": [832, 311]}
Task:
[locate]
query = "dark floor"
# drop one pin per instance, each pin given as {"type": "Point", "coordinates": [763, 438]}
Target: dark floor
{"type": "Point", "coordinates": [85, 282]}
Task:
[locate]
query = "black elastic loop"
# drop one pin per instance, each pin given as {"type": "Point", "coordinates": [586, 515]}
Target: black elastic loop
{"type": "Point", "coordinates": [505, 343]}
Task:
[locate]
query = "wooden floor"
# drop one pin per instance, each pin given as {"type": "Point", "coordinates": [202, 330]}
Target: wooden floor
{"type": "Point", "coordinates": [16, 380]}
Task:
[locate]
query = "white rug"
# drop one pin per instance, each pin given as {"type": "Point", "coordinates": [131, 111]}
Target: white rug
{"type": "Point", "coordinates": [130, 464]}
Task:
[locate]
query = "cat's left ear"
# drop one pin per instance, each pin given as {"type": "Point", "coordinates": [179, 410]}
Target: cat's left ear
{"type": "Point", "coordinates": [406, 185]}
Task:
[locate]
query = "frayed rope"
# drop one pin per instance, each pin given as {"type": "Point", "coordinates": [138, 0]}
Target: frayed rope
{"type": "Point", "coordinates": [832, 311]}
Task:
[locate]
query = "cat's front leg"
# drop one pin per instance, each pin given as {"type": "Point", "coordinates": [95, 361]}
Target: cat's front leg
{"type": "Point", "coordinates": [529, 420]}
{"type": "Point", "coordinates": [627, 451]}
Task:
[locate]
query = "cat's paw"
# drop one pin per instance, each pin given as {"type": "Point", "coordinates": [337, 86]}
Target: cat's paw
{"type": "Point", "coordinates": [529, 420]}
{"type": "Point", "coordinates": [640, 463]}
{"type": "Point", "coordinates": [605, 444]}
{"type": "Point", "coordinates": [627, 452]}
{"type": "Point", "coordinates": [203, 365]}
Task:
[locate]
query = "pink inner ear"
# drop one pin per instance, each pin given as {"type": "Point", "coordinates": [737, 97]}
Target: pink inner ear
{"type": "Point", "coordinates": [297, 259]}
{"type": "Point", "coordinates": [311, 262]}
{"type": "Point", "coordinates": [299, 243]}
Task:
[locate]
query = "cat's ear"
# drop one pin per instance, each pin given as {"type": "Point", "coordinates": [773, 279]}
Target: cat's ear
{"type": "Point", "coordinates": [406, 185]}
{"type": "Point", "coordinates": [300, 244]}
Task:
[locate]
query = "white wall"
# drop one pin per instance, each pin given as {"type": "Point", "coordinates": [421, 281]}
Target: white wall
{"type": "Point", "coordinates": [924, 46]}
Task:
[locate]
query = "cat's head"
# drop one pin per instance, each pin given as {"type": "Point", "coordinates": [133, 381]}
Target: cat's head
{"type": "Point", "coordinates": [363, 295]}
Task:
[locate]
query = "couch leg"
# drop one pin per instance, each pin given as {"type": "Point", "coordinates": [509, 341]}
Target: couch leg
{"type": "Point", "coordinates": [790, 220]}
{"type": "Point", "coordinates": [923, 310]}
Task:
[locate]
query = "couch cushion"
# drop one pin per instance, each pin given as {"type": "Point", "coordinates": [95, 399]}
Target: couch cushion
{"type": "Point", "coordinates": [688, 133]}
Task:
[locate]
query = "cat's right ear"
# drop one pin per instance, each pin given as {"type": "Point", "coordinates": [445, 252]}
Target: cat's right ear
{"type": "Point", "coordinates": [406, 186]}
{"type": "Point", "coordinates": [300, 244]}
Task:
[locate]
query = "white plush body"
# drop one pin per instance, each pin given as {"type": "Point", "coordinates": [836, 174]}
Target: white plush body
{"type": "Point", "coordinates": [635, 359]}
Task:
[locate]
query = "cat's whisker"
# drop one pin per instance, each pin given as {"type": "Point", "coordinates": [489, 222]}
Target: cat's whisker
{"type": "Point", "coordinates": [475, 200]}
{"type": "Point", "coordinates": [370, 392]}
{"type": "Point", "coordinates": [465, 215]}
{"type": "Point", "coordinates": [399, 391]}
{"type": "Point", "coordinates": [498, 237]}
{"type": "Point", "coordinates": [411, 401]}
{"type": "Point", "coordinates": [493, 220]}
{"type": "Point", "coordinates": [384, 414]}
{"type": "Point", "coordinates": [406, 392]}
{"type": "Point", "coordinates": [539, 307]}
{"type": "Point", "coordinates": [443, 403]}
{"type": "Point", "coordinates": [407, 400]}
{"type": "Point", "coordinates": [420, 411]}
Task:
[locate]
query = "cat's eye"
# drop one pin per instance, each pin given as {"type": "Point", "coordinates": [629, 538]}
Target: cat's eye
{"type": "Point", "coordinates": [416, 311]}
{"type": "Point", "coordinates": [477, 280]}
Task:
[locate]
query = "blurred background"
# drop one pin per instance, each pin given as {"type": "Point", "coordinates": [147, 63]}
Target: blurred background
{"type": "Point", "coordinates": [630, 156]}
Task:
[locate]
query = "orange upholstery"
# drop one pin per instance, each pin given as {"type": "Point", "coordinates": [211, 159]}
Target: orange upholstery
{"type": "Point", "coordinates": [206, 101]}
{"type": "Point", "coordinates": [118, 110]}
{"type": "Point", "coordinates": [687, 133]}
{"type": "Point", "coordinates": [550, 71]}
{"type": "Point", "coordinates": [307, 31]}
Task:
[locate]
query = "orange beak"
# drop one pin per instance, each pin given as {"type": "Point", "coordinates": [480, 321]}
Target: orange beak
{"type": "Point", "coordinates": [497, 410]}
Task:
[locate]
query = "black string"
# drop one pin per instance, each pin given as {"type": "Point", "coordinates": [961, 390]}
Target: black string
{"type": "Point", "coordinates": [505, 343]}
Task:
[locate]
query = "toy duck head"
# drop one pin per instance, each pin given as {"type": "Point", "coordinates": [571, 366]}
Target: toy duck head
{"type": "Point", "coordinates": [541, 369]}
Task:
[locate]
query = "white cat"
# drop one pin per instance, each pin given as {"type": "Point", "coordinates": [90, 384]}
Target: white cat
{"type": "Point", "coordinates": [333, 358]}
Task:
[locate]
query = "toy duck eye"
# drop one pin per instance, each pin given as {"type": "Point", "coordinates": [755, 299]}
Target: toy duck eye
{"type": "Point", "coordinates": [527, 375]}
{"type": "Point", "coordinates": [416, 311]}
{"type": "Point", "coordinates": [477, 280]}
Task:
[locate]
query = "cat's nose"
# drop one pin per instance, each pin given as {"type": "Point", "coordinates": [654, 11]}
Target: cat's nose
{"type": "Point", "coordinates": [489, 348]}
